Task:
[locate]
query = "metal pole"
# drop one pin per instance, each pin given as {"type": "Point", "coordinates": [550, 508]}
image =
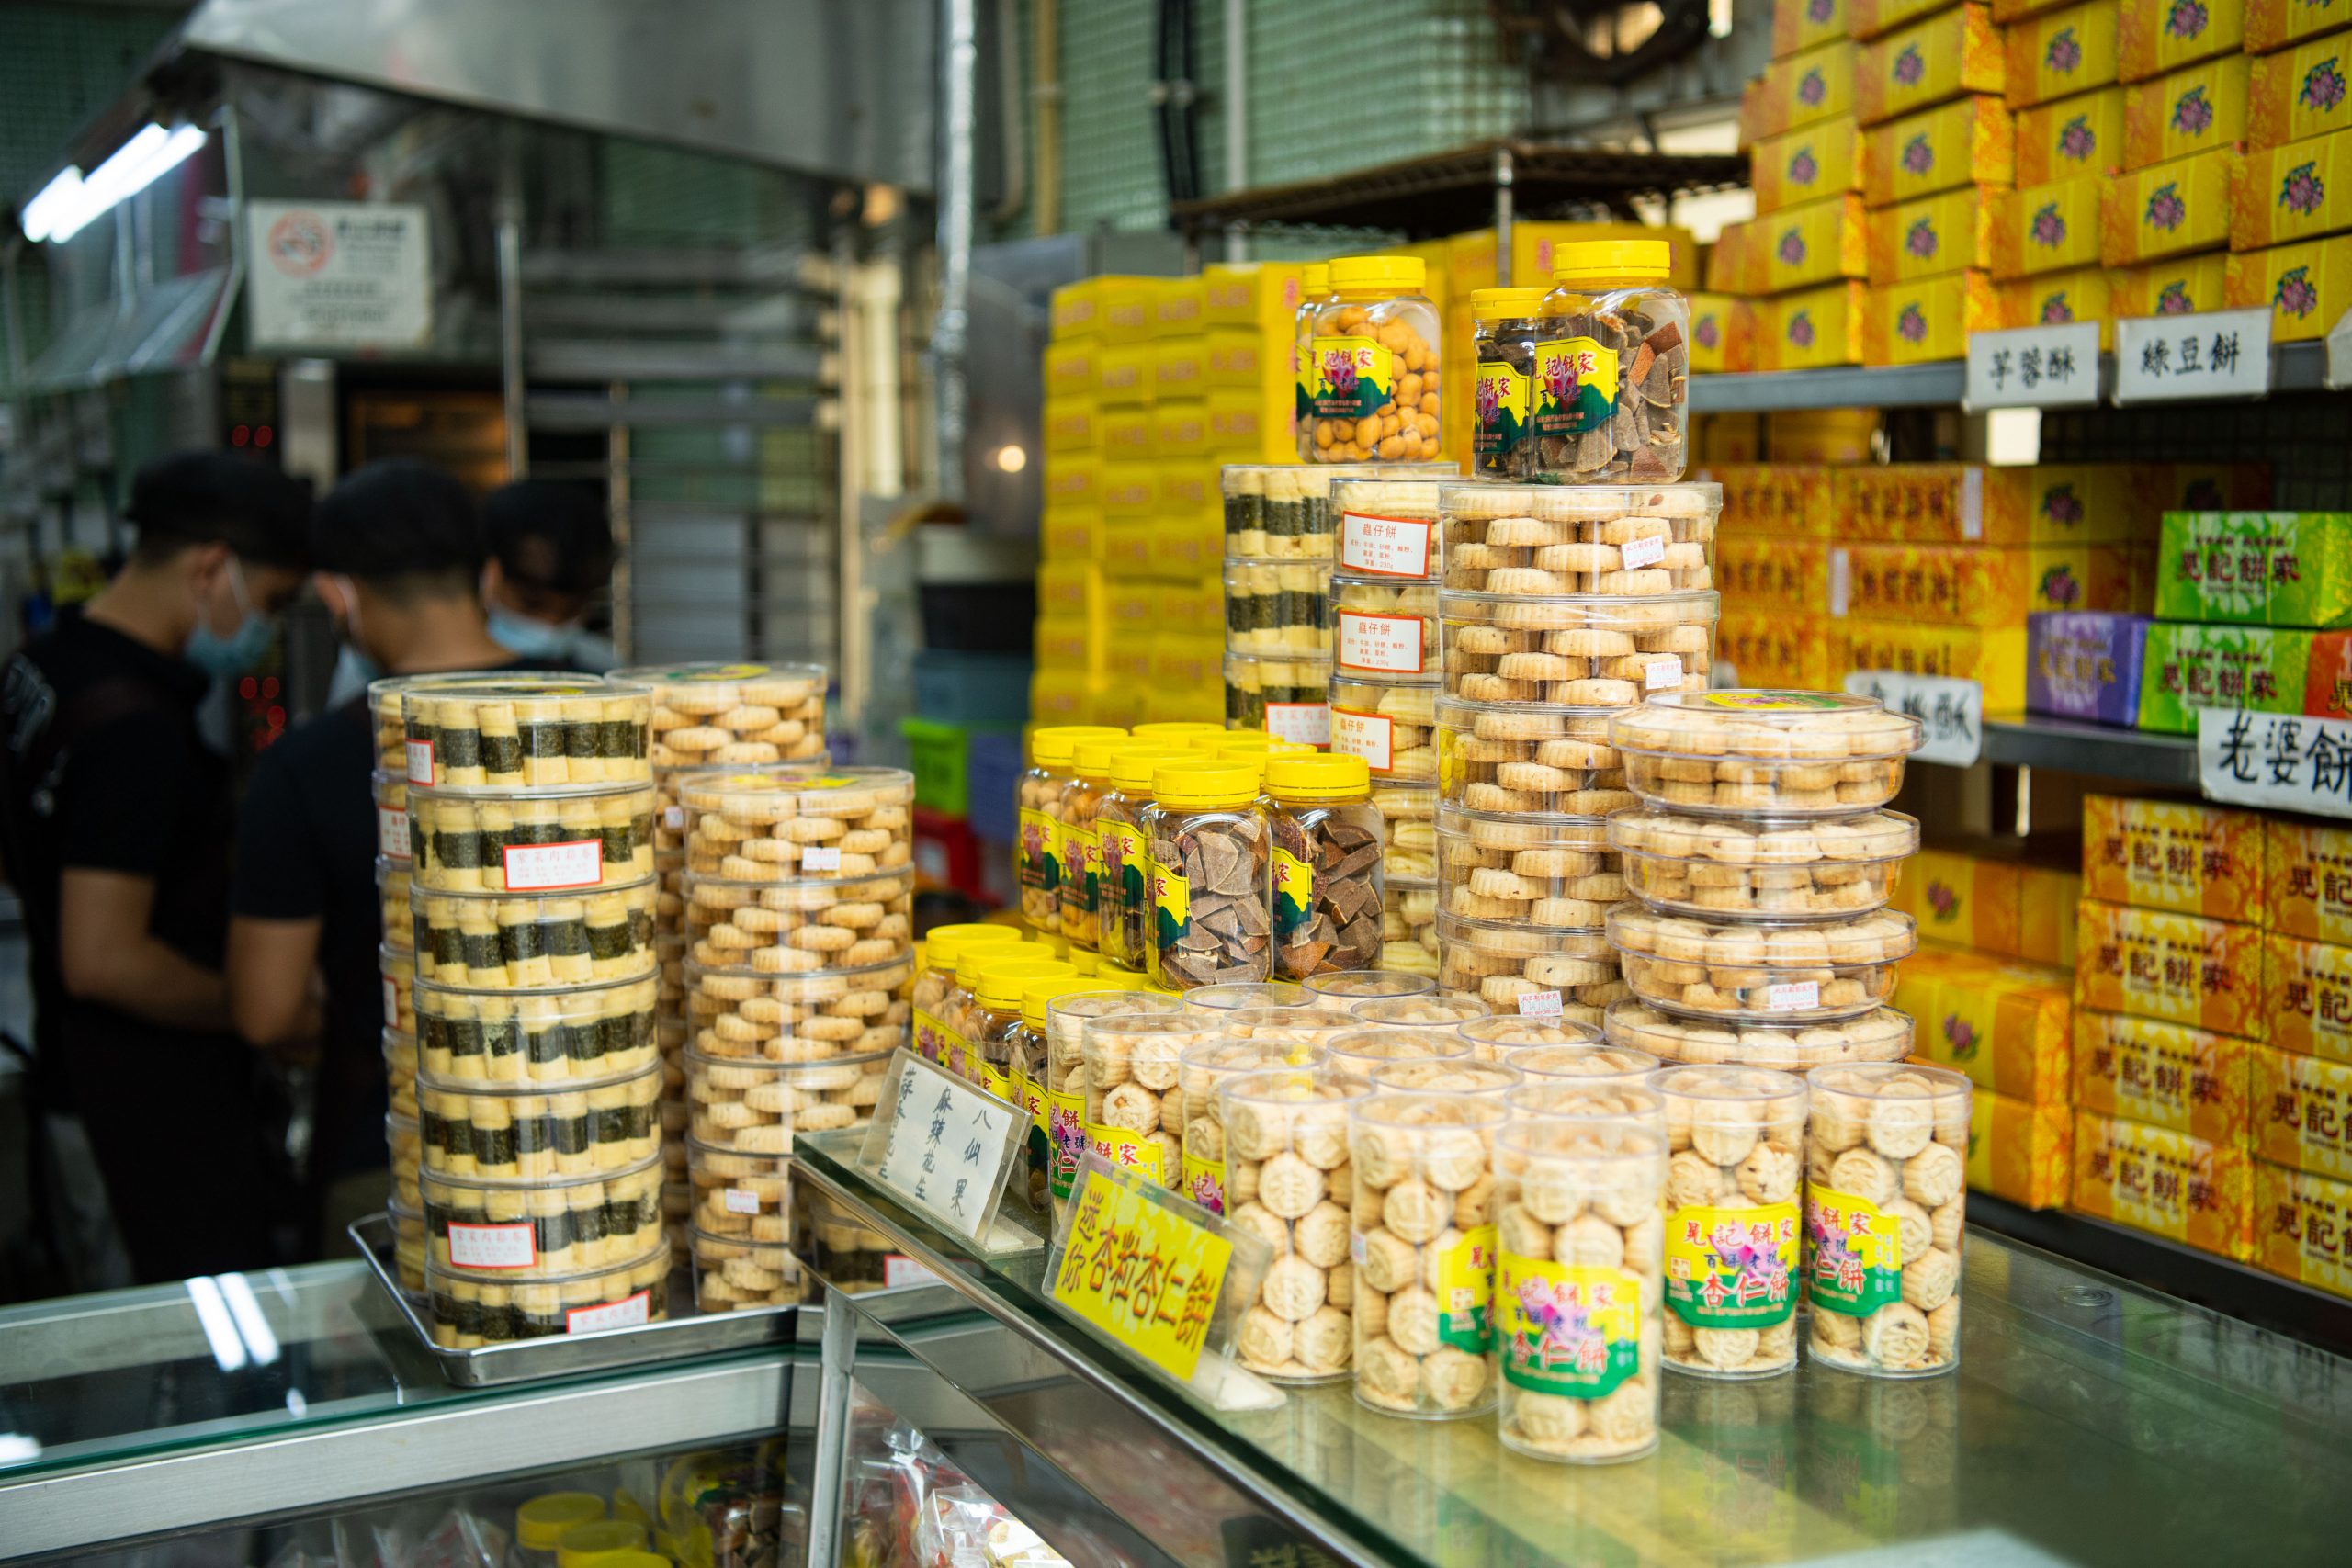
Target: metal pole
{"type": "Point", "coordinates": [510, 342]}
{"type": "Point", "coordinates": [837, 1365]}
{"type": "Point", "coordinates": [951, 329]}
{"type": "Point", "coordinates": [1503, 178]}
{"type": "Point", "coordinates": [1236, 115]}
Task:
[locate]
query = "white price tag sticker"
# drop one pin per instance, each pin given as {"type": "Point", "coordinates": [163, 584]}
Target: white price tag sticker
{"type": "Point", "coordinates": [1793, 996]}
{"type": "Point", "coordinates": [738, 1201]}
{"type": "Point", "coordinates": [674, 817]}
{"type": "Point", "coordinates": [630, 1312]}
{"type": "Point", "coordinates": [2042, 366]}
{"type": "Point", "coordinates": [1365, 735]}
{"type": "Point", "coordinates": [1663, 674]}
{"type": "Point", "coordinates": [420, 761]}
{"type": "Point", "coordinates": [539, 868]}
{"type": "Point", "coordinates": [1387, 546]}
{"type": "Point", "coordinates": [2213, 353]}
{"type": "Point", "coordinates": [391, 833]}
{"type": "Point", "coordinates": [898, 1269]}
{"type": "Point", "coordinates": [1380, 644]}
{"type": "Point", "coordinates": [1307, 722]}
{"type": "Point", "coordinates": [1358, 1248]}
{"type": "Point", "coordinates": [492, 1246]}
{"type": "Point", "coordinates": [821, 857]}
{"type": "Point", "coordinates": [1539, 1004]}
{"type": "Point", "coordinates": [2279, 759]}
{"type": "Point", "coordinates": [1637, 553]}
{"type": "Point", "coordinates": [1950, 711]}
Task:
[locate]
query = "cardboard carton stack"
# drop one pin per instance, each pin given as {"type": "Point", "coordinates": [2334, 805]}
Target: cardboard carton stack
{"type": "Point", "coordinates": [2299, 139]}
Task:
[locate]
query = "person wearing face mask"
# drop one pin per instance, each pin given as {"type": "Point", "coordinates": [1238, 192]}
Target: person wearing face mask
{"type": "Point", "coordinates": [400, 556]}
{"type": "Point", "coordinates": [114, 831]}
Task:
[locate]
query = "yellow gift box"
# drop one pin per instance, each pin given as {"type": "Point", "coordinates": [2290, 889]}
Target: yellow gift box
{"type": "Point", "coordinates": [1260, 296]}
{"type": "Point", "coordinates": [1822, 435]}
{"type": "Point", "coordinates": [1131, 308]}
{"type": "Point", "coordinates": [1178, 307]}
{"type": "Point", "coordinates": [2169, 854]}
{"type": "Point", "coordinates": [1944, 232]}
{"type": "Point", "coordinates": [1072, 534]}
{"type": "Point", "coordinates": [2153, 1178]}
{"type": "Point", "coordinates": [2307, 987]}
{"type": "Point", "coordinates": [1070, 368]}
{"type": "Point", "coordinates": [1769, 649]}
{"type": "Point", "coordinates": [1470, 258]}
{"type": "Point", "coordinates": [1064, 644]}
{"type": "Point", "coordinates": [1123, 375]}
{"type": "Point", "coordinates": [1970, 140]}
{"type": "Point", "coordinates": [2152, 36]}
{"type": "Point", "coordinates": [2060, 53]}
{"type": "Point", "coordinates": [2168, 209]}
{"type": "Point", "coordinates": [1126, 548]}
{"type": "Point", "coordinates": [1969, 901]}
{"type": "Point", "coordinates": [2180, 286]}
{"type": "Point", "coordinates": [1945, 55]}
{"type": "Point", "coordinates": [2009, 1027]}
{"type": "Point", "coordinates": [2274, 24]}
{"type": "Point", "coordinates": [1929, 317]}
{"type": "Point", "coordinates": [1129, 490]}
{"type": "Point", "coordinates": [1061, 696]}
{"type": "Point", "coordinates": [1730, 269]}
{"type": "Point", "coordinates": [1813, 328]}
{"type": "Point", "coordinates": [1131, 607]}
{"type": "Point", "coordinates": [2163, 1074]}
{"type": "Point", "coordinates": [2070, 137]}
{"type": "Point", "coordinates": [2301, 1112]}
{"type": "Point", "coordinates": [2302, 1227]}
{"type": "Point", "coordinates": [1797, 166]}
{"type": "Point", "coordinates": [1993, 659]}
{"type": "Point", "coordinates": [1803, 89]}
{"type": "Point", "coordinates": [1723, 333]}
{"type": "Point", "coordinates": [1194, 609]}
{"type": "Point", "coordinates": [2060, 297]}
{"type": "Point", "coordinates": [2052, 503]}
{"type": "Point", "coordinates": [1774, 500]}
{"type": "Point", "coordinates": [1802, 23]}
{"type": "Point", "coordinates": [1180, 428]}
{"type": "Point", "coordinates": [1253, 427]}
{"type": "Point", "coordinates": [1186, 488]}
{"type": "Point", "coordinates": [2292, 192]}
{"type": "Point", "coordinates": [2047, 228]}
{"type": "Point", "coordinates": [1072, 424]}
{"type": "Point", "coordinates": [1815, 243]}
{"type": "Point", "coordinates": [2008, 11]}
{"type": "Point", "coordinates": [2307, 879]}
{"type": "Point", "coordinates": [1189, 662]}
{"type": "Point", "coordinates": [2020, 1152]}
{"type": "Point", "coordinates": [1970, 585]}
{"type": "Point", "coordinates": [1180, 367]}
{"type": "Point", "coordinates": [2047, 906]}
{"type": "Point", "coordinates": [2301, 94]}
{"type": "Point", "coordinates": [1073, 480]}
{"type": "Point", "coordinates": [1869, 18]}
{"type": "Point", "coordinates": [2190, 110]}
{"type": "Point", "coordinates": [1126, 433]}
{"type": "Point", "coordinates": [1076, 308]}
{"type": "Point", "coordinates": [1234, 360]}
{"type": "Point", "coordinates": [1773, 574]}
{"type": "Point", "coordinates": [1183, 544]}
{"type": "Point", "coordinates": [2180, 968]}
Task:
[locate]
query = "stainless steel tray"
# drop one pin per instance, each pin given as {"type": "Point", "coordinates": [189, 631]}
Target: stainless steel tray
{"type": "Point", "coordinates": [683, 1334]}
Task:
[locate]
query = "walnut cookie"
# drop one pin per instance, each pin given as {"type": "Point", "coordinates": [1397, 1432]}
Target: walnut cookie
{"type": "Point", "coordinates": [1730, 869]}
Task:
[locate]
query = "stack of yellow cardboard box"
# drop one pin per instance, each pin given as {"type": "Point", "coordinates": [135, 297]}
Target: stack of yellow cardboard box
{"type": "Point", "coordinates": [2292, 185]}
{"type": "Point", "coordinates": [1806, 246]}
{"type": "Point", "coordinates": [2299, 1096]}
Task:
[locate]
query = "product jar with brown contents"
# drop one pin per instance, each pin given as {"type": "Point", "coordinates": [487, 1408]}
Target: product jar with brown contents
{"type": "Point", "coordinates": [557, 840]}
{"type": "Point", "coordinates": [1613, 365]}
{"type": "Point", "coordinates": [1526, 761]}
{"type": "Point", "coordinates": [1885, 1202]}
{"type": "Point", "coordinates": [1543, 871]}
{"type": "Point", "coordinates": [1881, 1036]}
{"type": "Point", "coordinates": [1135, 1101]}
{"type": "Point", "coordinates": [958, 1008]}
{"type": "Point", "coordinates": [1326, 865]}
{"type": "Point", "coordinates": [1761, 969]}
{"type": "Point", "coordinates": [508, 732]}
{"type": "Point", "coordinates": [1038, 857]}
{"type": "Point", "coordinates": [1348, 987]}
{"type": "Point", "coordinates": [1578, 1293]}
{"type": "Point", "coordinates": [935, 981]}
{"type": "Point", "coordinates": [1730, 868]}
{"type": "Point", "coordinates": [1779, 753]}
{"type": "Point", "coordinates": [1079, 893]}
{"type": "Point", "coordinates": [1123, 880]}
{"type": "Point", "coordinates": [727, 713]}
{"type": "Point", "coordinates": [1212, 914]}
{"type": "Point", "coordinates": [1590, 541]}
{"type": "Point", "coordinates": [1373, 381]}
{"type": "Point", "coordinates": [989, 1031]}
{"type": "Point", "coordinates": [1574, 650]}
{"type": "Point", "coordinates": [1383, 630]}
{"type": "Point", "coordinates": [1501, 1036]}
{"type": "Point", "coordinates": [1389, 529]}
{"type": "Point", "coordinates": [1568, 973]}
{"type": "Point", "coordinates": [1393, 727]}
{"type": "Point", "coordinates": [1066, 1079]}
{"type": "Point", "coordinates": [800, 927]}
{"type": "Point", "coordinates": [1030, 1051]}
{"type": "Point", "coordinates": [1734, 1180]}
{"type": "Point", "coordinates": [788, 825]}
{"type": "Point", "coordinates": [1422, 1219]}
{"type": "Point", "coordinates": [744, 1014]}
{"type": "Point", "coordinates": [1408, 927]}
{"type": "Point", "coordinates": [1504, 330]}
{"type": "Point", "coordinates": [1198, 1073]}
{"type": "Point", "coordinates": [1287, 1181]}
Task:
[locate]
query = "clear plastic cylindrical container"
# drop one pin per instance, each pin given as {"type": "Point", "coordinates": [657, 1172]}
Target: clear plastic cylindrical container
{"type": "Point", "coordinates": [1365, 1051]}
{"type": "Point", "coordinates": [1578, 1293]}
{"type": "Point", "coordinates": [1652, 539]}
{"type": "Point", "coordinates": [1286, 1026]}
{"type": "Point", "coordinates": [397, 968]}
{"type": "Point", "coordinates": [1388, 527]}
{"type": "Point", "coordinates": [1499, 1036]}
{"type": "Point", "coordinates": [1526, 760]}
{"type": "Point", "coordinates": [508, 732]}
{"type": "Point", "coordinates": [1729, 868]}
{"type": "Point", "coordinates": [733, 1274]}
{"type": "Point", "coordinates": [507, 1133]}
{"type": "Point", "coordinates": [1612, 366]}
{"type": "Point", "coordinates": [1383, 630]}
{"type": "Point", "coordinates": [1566, 974]}
{"type": "Point", "coordinates": [1134, 1103]}
{"type": "Point", "coordinates": [1568, 647]}
{"type": "Point", "coordinates": [799, 1018]}
{"type": "Point", "coordinates": [1541, 1099]}
{"type": "Point", "coordinates": [539, 1229]}
{"type": "Point", "coordinates": [1287, 1161]}
{"type": "Point", "coordinates": [399, 1071]}
{"type": "Point", "coordinates": [1558, 872]}
{"type": "Point", "coordinates": [582, 1033]}
{"type": "Point", "coordinates": [1453, 1075]}
{"type": "Point", "coordinates": [1391, 724]}
{"type": "Point", "coordinates": [1733, 1186]}
{"type": "Point", "coordinates": [1373, 383]}
{"type": "Point", "coordinates": [408, 1244]}
{"type": "Point", "coordinates": [1081, 891]}
{"type": "Point", "coordinates": [1283, 695]}
{"type": "Point", "coordinates": [1408, 927]}
{"type": "Point", "coordinates": [1504, 331]}
{"type": "Point", "coordinates": [800, 927]}
{"type": "Point", "coordinates": [1068, 1081]}
{"type": "Point", "coordinates": [533, 942]}
{"type": "Point", "coordinates": [1236, 995]}
{"type": "Point", "coordinates": [1885, 1210]}
{"type": "Point", "coordinates": [935, 979]}
{"type": "Point", "coordinates": [1038, 857]}
{"type": "Point", "coordinates": [791, 825]}
{"type": "Point", "coordinates": [989, 1031]}
{"type": "Point", "coordinates": [1278, 609]}
{"type": "Point", "coordinates": [559, 839]}
{"type": "Point", "coordinates": [470, 1311]}
{"type": "Point", "coordinates": [1756, 969]}
{"type": "Point", "coordinates": [1771, 753]}
{"type": "Point", "coordinates": [1123, 881]}
{"type": "Point", "coordinates": [1327, 844]}
{"type": "Point", "coordinates": [1881, 1036]}
{"type": "Point", "coordinates": [394, 844]}
{"type": "Point", "coordinates": [1347, 987]}
{"type": "Point", "coordinates": [1212, 917]}
{"type": "Point", "coordinates": [757, 1106]}
{"type": "Point", "coordinates": [731, 713]}
{"type": "Point", "coordinates": [1198, 1073]}
{"type": "Point", "coordinates": [394, 885]}
{"type": "Point", "coordinates": [746, 1196]}
{"type": "Point", "coordinates": [1426, 1010]}
{"type": "Point", "coordinates": [1583, 1062]}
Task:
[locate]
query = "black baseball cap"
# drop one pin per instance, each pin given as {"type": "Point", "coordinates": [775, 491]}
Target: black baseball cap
{"type": "Point", "coordinates": [399, 517]}
{"type": "Point", "coordinates": [262, 513]}
{"type": "Point", "coordinates": [549, 535]}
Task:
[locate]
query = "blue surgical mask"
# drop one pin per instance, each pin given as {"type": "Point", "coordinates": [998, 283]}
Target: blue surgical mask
{"type": "Point", "coordinates": [527, 639]}
{"type": "Point", "coordinates": [230, 655]}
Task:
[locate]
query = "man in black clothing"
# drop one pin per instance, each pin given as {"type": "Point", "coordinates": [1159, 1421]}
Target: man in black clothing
{"type": "Point", "coordinates": [399, 551]}
{"type": "Point", "coordinates": [550, 556]}
{"type": "Point", "coordinates": [114, 824]}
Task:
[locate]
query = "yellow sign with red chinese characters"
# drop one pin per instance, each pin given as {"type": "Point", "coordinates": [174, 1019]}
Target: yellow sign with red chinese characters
{"type": "Point", "coordinates": [1143, 1273]}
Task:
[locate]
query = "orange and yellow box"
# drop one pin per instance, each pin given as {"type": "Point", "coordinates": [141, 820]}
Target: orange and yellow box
{"type": "Point", "coordinates": [1072, 591]}
{"type": "Point", "coordinates": [2178, 286]}
{"type": "Point", "coordinates": [1822, 435]}
{"type": "Point", "coordinates": [1471, 258]}
{"type": "Point", "coordinates": [1131, 308]}
{"type": "Point", "coordinates": [1072, 424]}
{"type": "Point", "coordinates": [1184, 545]}
{"type": "Point", "coordinates": [1869, 18]}
{"type": "Point", "coordinates": [1813, 328]}
{"type": "Point", "coordinates": [2047, 228]}
{"type": "Point", "coordinates": [1966, 900]}
{"type": "Point", "coordinates": [1942, 56]}
{"type": "Point", "coordinates": [1804, 165]}
{"type": "Point", "coordinates": [1123, 375]}
{"type": "Point", "coordinates": [1802, 23]}
{"type": "Point", "coordinates": [1061, 696]}
{"type": "Point", "coordinates": [1075, 309]}
{"type": "Point", "coordinates": [1236, 359]}
{"type": "Point", "coordinates": [2008, 11]}
{"type": "Point", "coordinates": [2048, 904]}
{"type": "Point", "coordinates": [1129, 491]}
{"type": "Point", "coordinates": [2180, 968]}
{"type": "Point", "coordinates": [2295, 192]}
{"type": "Point", "coordinates": [2152, 36]}
{"type": "Point", "coordinates": [2308, 285]}
{"type": "Point", "coordinates": [1185, 488]}
{"type": "Point", "coordinates": [1734, 261]}
{"type": "Point", "coordinates": [1252, 427]}
{"type": "Point", "coordinates": [2194, 1191]}
{"type": "Point", "coordinates": [1927, 319]}
{"type": "Point", "coordinates": [1071, 533]}
{"type": "Point", "coordinates": [1067, 645]}
{"type": "Point", "coordinates": [2060, 53]}
{"type": "Point", "coordinates": [1815, 243]}
{"type": "Point", "coordinates": [1073, 480]}
{"type": "Point", "coordinates": [1723, 332]}
{"type": "Point", "coordinates": [2302, 1226]}
{"type": "Point", "coordinates": [2274, 24]}
{"type": "Point", "coordinates": [1933, 503]}
{"type": "Point", "coordinates": [2301, 1112]}
{"type": "Point", "coordinates": [1995, 660]}
{"type": "Point", "coordinates": [1803, 89]}
{"type": "Point", "coordinates": [2060, 297]}
{"type": "Point", "coordinates": [2169, 854]}
{"type": "Point", "coordinates": [2299, 95]}
{"type": "Point", "coordinates": [2007, 1026]}
{"type": "Point", "coordinates": [2307, 880]}
{"type": "Point", "coordinates": [2070, 137]}
{"type": "Point", "coordinates": [1769, 649]}
{"type": "Point", "coordinates": [2163, 1074]}
{"type": "Point", "coordinates": [2020, 1152]}
{"type": "Point", "coordinates": [1756, 573]}
{"type": "Point", "coordinates": [2193, 109]}
{"type": "Point", "coordinates": [2167, 210]}
{"type": "Point", "coordinates": [1774, 500]}
{"type": "Point", "coordinates": [1988, 586]}
{"type": "Point", "coordinates": [1970, 140]}
{"type": "Point", "coordinates": [2307, 987]}
{"type": "Point", "coordinates": [1178, 308]}
{"type": "Point", "coordinates": [1948, 231]}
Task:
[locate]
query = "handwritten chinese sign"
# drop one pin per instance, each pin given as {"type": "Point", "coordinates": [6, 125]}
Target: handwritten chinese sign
{"type": "Point", "coordinates": [946, 1146]}
{"type": "Point", "coordinates": [2037, 368]}
{"type": "Point", "coordinates": [1952, 711]}
{"type": "Point", "coordinates": [2282, 760]}
{"type": "Point", "coordinates": [2213, 353]}
{"type": "Point", "coordinates": [1142, 1272]}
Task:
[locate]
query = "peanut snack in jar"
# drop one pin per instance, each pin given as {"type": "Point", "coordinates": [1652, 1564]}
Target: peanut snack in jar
{"type": "Point", "coordinates": [1733, 1184]}
{"type": "Point", "coordinates": [1499, 1036]}
{"type": "Point", "coordinates": [731, 713]}
{"type": "Point", "coordinates": [1526, 760]}
{"type": "Point", "coordinates": [1578, 1293]}
{"type": "Point", "coordinates": [1134, 1104]}
{"type": "Point", "coordinates": [1555, 871]}
{"type": "Point", "coordinates": [935, 979]}
{"type": "Point", "coordinates": [1327, 844]}
{"type": "Point", "coordinates": [1410, 812]}
{"type": "Point", "coordinates": [1612, 366]}
{"type": "Point", "coordinates": [1088, 894]}
{"type": "Point", "coordinates": [1881, 1036]}
{"type": "Point", "coordinates": [1391, 727]}
{"type": "Point", "coordinates": [1780, 754]}
{"type": "Point", "coordinates": [789, 825]}
{"type": "Point", "coordinates": [1574, 650]}
{"type": "Point", "coordinates": [1729, 868]}
{"type": "Point", "coordinates": [1421, 1224]}
{"type": "Point", "coordinates": [1285, 1137]}
{"type": "Point", "coordinates": [744, 1196]}
{"type": "Point", "coordinates": [1805, 969]}
{"type": "Point", "coordinates": [1536, 1098]}
{"type": "Point", "coordinates": [1030, 1051]}
{"type": "Point", "coordinates": [1546, 541]}
{"type": "Point", "coordinates": [511, 732]}
{"type": "Point", "coordinates": [1038, 858]}
{"type": "Point", "coordinates": [1347, 987]}
{"type": "Point", "coordinates": [952, 1033]}
{"type": "Point", "coordinates": [1886, 1206]}
{"type": "Point", "coordinates": [1212, 887]}
{"type": "Point", "coordinates": [1373, 377]}
{"type": "Point", "coordinates": [992, 1028]}
{"type": "Point", "coordinates": [1502, 964]}
{"type": "Point", "coordinates": [1067, 1079]}
{"type": "Point", "coordinates": [1198, 1073]}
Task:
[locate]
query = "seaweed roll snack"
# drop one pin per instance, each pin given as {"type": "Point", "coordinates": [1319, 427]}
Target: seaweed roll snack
{"type": "Point", "coordinates": [529, 1136]}
{"type": "Point", "coordinates": [545, 1229]}
{"type": "Point", "coordinates": [471, 1034]}
{"type": "Point", "coordinates": [546, 841]}
{"type": "Point", "coordinates": [534, 942]}
{"type": "Point", "coordinates": [470, 1311]}
{"type": "Point", "coordinates": [512, 732]}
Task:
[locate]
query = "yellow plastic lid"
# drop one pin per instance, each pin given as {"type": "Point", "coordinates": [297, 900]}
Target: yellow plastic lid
{"type": "Point", "coordinates": [1257, 743]}
{"type": "Point", "coordinates": [1317, 280]}
{"type": "Point", "coordinates": [947, 943]}
{"type": "Point", "coordinates": [1085, 960]}
{"type": "Point", "coordinates": [1608, 261]}
{"type": "Point", "coordinates": [1091, 758]}
{"type": "Point", "coordinates": [541, 1521]}
{"type": "Point", "coordinates": [1176, 727]}
{"type": "Point", "coordinates": [1051, 746]}
{"type": "Point", "coordinates": [1210, 741]}
{"type": "Point", "coordinates": [1318, 777]}
{"type": "Point", "coordinates": [585, 1546]}
{"type": "Point", "coordinates": [632, 1560]}
{"type": "Point", "coordinates": [970, 956]}
{"type": "Point", "coordinates": [1131, 764]}
{"type": "Point", "coordinates": [1036, 992]}
{"type": "Point", "coordinates": [1205, 786]}
{"type": "Point", "coordinates": [1503, 304]}
{"type": "Point", "coordinates": [1376, 275]}
{"type": "Point", "coordinates": [999, 986]}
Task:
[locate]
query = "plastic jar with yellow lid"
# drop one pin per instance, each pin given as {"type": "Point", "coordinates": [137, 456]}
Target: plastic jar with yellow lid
{"type": "Point", "coordinates": [1327, 843]}
{"type": "Point", "coordinates": [1373, 366]}
{"type": "Point", "coordinates": [1210, 918]}
{"type": "Point", "coordinates": [1122, 874]}
{"type": "Point", "coordinates": [1612, 363]}
{"type": "Point", "coordinates": [936, 982]}
{"type": "Point", "coordinates": [1038, 858]}
{"type": "Point", "coordinates": [1504, 327]}
{"type": "Point", "coordinates": [541, 1523]}
{"type": "Point", "coordinates": [996, 1014]}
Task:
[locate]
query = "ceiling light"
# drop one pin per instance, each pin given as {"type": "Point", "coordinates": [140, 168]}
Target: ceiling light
{"type": "Point", "coordinates": [70, 202]}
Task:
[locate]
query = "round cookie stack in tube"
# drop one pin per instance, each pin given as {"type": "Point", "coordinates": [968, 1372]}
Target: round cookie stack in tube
{"type": "Point", "coordinates": [529, 926]}
{"type": "Point", "coordinates": [1560, 606]}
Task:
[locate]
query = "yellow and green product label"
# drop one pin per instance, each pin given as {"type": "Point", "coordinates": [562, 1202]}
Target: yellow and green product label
{"type": "Point", "coordinates": [1293, 895]}
{"type": "Point", "coordinates": [1853, 1253]}
{"type": "Point", "coordinates": [1171, 908]}
{"type": "Point", "coordinates": [1732, 1268]}
{"type": "Point", "coordinates": [1040, 864]}
{"type": "Point", "coordinates": [996, 1081]}
{"type": "Point", "coordinates": [1081, 864]}
{"type": "Point", "coordinates": [1773, 701]}
{"type": "Point", "coordinates": [1030, 1096]}
{"type": "Point", "coordinates": [1205, 1182]}
{"type": "Point", "coordinates": [1127, 1150]}
{"type": "Point", "coordinates": [1566, 1328]}
{"type": "Point", "coordinates": [1576, 386]}
{"type": "Point", "coordinates": [1065, 1137]}
{"type": "Point", "coordinates": [932, 1037]}
{"type": "Point", "coordinates": [1354, 377]}
{"type": "Point", "coordinates": [1501, 407]}
{"type": "Point", "coordinates": [1466, 1292]}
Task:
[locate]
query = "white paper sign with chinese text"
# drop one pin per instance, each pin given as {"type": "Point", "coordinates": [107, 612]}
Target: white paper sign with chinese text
{"type": "Point", "coordinates": [1950, 711]}
{"type": "Point", "coordinates": [2282, 760]}
{"type": "Point", "coordinates": [2033, 368]}
{"type": "Point", "coordinates": [343, 274]}
{"type": "Point", "coordinates": [943, 1145]}
{"type": "Point", "coordinates": [2213, 353]}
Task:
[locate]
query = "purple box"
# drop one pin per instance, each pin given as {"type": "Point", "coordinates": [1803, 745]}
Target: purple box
{"type": "Point", "coordinates": [2084, 664]}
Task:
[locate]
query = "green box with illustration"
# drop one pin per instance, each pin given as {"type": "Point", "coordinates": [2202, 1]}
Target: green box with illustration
{"type": "Point", "coordinates": [2188, 667]}
{"type": "Point", "coordinates": [2273, 569]}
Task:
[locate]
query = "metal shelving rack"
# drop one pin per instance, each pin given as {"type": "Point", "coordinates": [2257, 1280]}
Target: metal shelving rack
{"type": "Point", "coordinates": [2295, 367]}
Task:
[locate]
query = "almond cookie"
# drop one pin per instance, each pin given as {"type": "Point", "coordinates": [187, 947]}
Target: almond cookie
{"type": "Point", "coordinates": [1729, 869]}
{"type": "Point", "coordinates": [1780, 752]}
{"type": "Point", "coordinates": [1732, 1224]}
{"type": "Point", "coordinates": [1283, 1132]}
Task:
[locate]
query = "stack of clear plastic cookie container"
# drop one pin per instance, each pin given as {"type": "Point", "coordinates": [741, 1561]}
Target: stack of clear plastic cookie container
{"type": "Point", "coordinates": [1560, 606]}
{"type": "Point", "coordinates": [396, 962]}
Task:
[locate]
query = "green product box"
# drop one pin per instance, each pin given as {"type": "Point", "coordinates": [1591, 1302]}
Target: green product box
{"type": "Point", "coordinates": [2191, 666]}
{"type": "Point", "coordinates": [2275, 568]}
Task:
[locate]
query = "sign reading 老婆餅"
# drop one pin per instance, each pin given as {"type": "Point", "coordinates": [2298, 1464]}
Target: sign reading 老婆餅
{"type": "Point", "coordinates": [944, 1146]}
{"type": "Point", "coordinates": [2285, 761]}
{"type": "Point", "coordinates": [2211, 354]}
{"type": "Point", "coordinates": [338, 274]}
{"type": "Point", "coordinates": [2051, 365]}
{"type": "Point", "coordinates": [1950, 711]}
